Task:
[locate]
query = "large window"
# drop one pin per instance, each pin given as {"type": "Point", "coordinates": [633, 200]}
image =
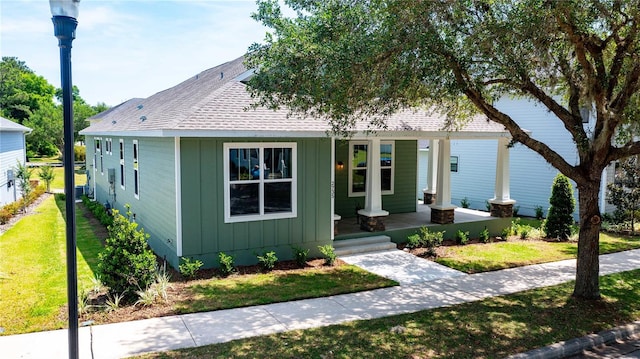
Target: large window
{"type": "Point", "coordinates": [136, 172]}
{"type": "Point", "coordinates": [260, 181]}
{"type": "Point", "coordinates": [358, 170]}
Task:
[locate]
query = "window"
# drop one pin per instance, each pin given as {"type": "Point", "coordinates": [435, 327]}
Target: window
{"type": "Point", "coordinates": [122, 163]}
{"type": "Point", "coordinates": [136, 172]}
{"type": "Point", "coordinates": [358, 170]}
{"type": "Point", "coordinates": [108, 146]}
{"type": "Point", "coordinates": [99, 152]}
{"type": "Point", "coordinates": [260, 181]}
{"type": "Point", "coordinates": [454, 163]}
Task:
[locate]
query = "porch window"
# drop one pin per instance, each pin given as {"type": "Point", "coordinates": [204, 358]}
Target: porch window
{"type": "Point", "coordinates": [260, 181]}
{"type": "Point", "coordinates": [136, 172]}
{"type": "Point", "coordinates": [358, 170]}
{"type": "Point", "coordinates": [454, 163]}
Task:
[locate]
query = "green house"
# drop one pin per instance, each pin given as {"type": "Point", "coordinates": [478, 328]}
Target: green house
{"type": "Point", "coordinates": [204, 173]}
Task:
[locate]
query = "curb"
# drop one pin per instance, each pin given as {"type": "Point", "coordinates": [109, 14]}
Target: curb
{"type": "Point", "coordinates": [577, 345]}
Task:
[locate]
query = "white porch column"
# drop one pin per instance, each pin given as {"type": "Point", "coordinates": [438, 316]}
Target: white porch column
{"type": "Point", "coordinates": [443, 211]}
{"type": "Point", "coordinates": [501, 203]}
{"type": "Point", "coordinates": [432, 172]}
{"type": "Point", "coordinates": [373, 196]}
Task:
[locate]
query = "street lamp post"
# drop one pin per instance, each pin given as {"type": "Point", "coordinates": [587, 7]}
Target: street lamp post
{"type": "Point", "coordinates": [65, 13]}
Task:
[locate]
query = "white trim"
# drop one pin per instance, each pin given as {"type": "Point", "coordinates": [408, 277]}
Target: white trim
{"type": "Point", "coordinates": [122, 154]}
{"type": "Point", "coordinates": [136, 168]}
{"type": "Point", "coordinates": [261, 146]}
{"type": "Point", "coordinates": [350, 167]}
{"type": "Point", "coordinates": [178, 181]}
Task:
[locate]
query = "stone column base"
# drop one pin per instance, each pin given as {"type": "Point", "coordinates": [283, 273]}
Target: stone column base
{"type": "Point", "coordinates": [442, 216]}
{"type": "Point", "coordinates": [429, 198]}
{"type": "Point", "coordinates": [501, 210]}
{"type": "Point", "coordinates": [371, 224]}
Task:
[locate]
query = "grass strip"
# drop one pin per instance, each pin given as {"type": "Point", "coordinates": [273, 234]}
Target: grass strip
{"type": "Point", "coordinates": [257, 289]}
{"type": "Point", "coordinates": [33, 269]}
{"type": "Point", "coordinates": [475, 258]}
{"type": "Point", "coordinates": [491, 328]}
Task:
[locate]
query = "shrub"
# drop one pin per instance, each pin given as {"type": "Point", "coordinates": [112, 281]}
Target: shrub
{"type": "Point", "coordinates": [79, 153]}
{"type": "Point", "coordinates": [414, 241]}
{"type": "Point", "coordinates": [484, 235]}
{"type": "Point", "coordinates": [464, 202]}
{"type": "Point", "coordinates": [300, 255]}
{"type": "Point", "coordinates": [328, 253]}
{"type": "Point", "coordinates": [5, 215]}
{"type": "Point", "coordinates": [524, 232]}
{"type": "Point", "coordinates": [425, 239]}
{"type": "Point", "coordinates": [462, 237]}
{"type": "Point", "coordinates": [487, 205]}
{"type": "Point", "coordinates": [560, 215]}
{"type": "Point", "coordinates": [539, 212]}
{"type": "Point", "coordinates": [189, 267]}
{"type": "Point", "coordinates": [516, 209]}
{"type": "Point", "coordinates": [268, 260]}
{"type": "Point", "coordinates": [126, 263]}
{"type": "Point", "coordinates": [226, 264]}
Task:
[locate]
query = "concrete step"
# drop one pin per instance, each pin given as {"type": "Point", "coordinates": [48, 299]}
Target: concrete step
{"type": "Point", "coordinates": [363, 245]}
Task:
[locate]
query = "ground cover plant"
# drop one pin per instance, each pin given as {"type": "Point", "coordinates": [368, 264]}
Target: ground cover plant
{"type": "Point", "coordinates": [491, 328]}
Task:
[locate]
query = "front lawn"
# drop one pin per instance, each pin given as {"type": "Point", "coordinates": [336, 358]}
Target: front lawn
{"type": "Point", "coordinates": [491, 328]}
{"type": "Point", "coordinates": [33, 270]}
{"type": "Point", "coordinates": [474, 258]}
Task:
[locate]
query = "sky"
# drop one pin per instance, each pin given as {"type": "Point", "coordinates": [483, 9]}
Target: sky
{"type": "Point", "coordinates": [130, 48]}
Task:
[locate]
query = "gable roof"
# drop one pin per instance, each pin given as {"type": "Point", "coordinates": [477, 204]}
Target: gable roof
{"type": "Point", "coordinates": [10, 126]}
{"type": "Point", "coordinates": [214, 103]}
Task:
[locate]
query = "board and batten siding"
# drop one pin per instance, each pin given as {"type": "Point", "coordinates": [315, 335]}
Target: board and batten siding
{"type": "Point", "coordinates": [403, 199]}
{"type": "Point", "coordinates": [155, 209]}
{"type": "Point", "coordinates": [12, 151]}
{"type": "Point", "coordinates": [204, 231]}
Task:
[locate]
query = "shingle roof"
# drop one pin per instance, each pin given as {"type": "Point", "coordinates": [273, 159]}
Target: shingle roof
{"type": "Point", "coordinates": [10, 126]}
{"type": "Point", "coordinates": [214, 103]}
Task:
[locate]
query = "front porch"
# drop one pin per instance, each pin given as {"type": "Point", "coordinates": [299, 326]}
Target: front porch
{"type": "Point", "coordinates": [399, 226]}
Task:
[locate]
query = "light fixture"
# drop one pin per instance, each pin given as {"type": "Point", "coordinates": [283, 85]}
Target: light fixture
{"type": "Point", "coordinates": [65, 13]}
{"type": "Point", "coordinates": [340, 165]}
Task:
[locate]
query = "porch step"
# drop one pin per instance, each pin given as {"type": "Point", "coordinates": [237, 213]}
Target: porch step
{"type": "Point", "coordinates": [363, 245]}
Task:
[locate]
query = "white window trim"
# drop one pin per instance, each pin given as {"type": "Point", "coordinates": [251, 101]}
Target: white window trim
{"type": "Point", "coordinates": [122, 153]}
{"type": "Point", "coordinates": [100, 150]}
{"type": "Point", "coordinates": [294, 182]}
{"type": "Point", "coordinates": [136, 168]}
{"type": "Point", "coordinates": [350, 164]}
{"type": "Point", "coordinates": [109, 146]}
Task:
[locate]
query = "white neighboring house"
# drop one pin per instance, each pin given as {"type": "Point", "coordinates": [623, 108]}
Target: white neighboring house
{"type": "Point", "coordinates": [531, 177]}
{"type": "Point", "coordinates": [12, 150]}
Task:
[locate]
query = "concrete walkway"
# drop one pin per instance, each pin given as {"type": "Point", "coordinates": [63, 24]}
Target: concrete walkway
{"type": "Point", "coordinates": [190, 330]}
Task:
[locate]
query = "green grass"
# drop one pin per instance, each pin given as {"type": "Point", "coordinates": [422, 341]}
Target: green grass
{"type": "Point", "coordinates": [491, 328]}
{"type": "Point", "coordinates": [476, 258]}
{"type": "Point", "coordinates": [256, 289]}
{"type": "Point", "coordinates": [33, 269]}
{"type": "Point", "coordinates": [58, 182]}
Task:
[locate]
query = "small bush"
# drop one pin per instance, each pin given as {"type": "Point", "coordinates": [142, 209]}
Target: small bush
{"type": "Point", "coordinates": [560, 217]}
{"type": "Point", "coordinates": [127, 263]}
{"type": "Point", "coordinates": [425, 239]}
{"type": "Point", "coordinates": [539, 212]}
{"type": "Point", "coordinates": [414, 241]}
{"type": "Point", "coordinates": [226, 264]}
{"type": "Point", "coordinates": [506, 233]}
{"type": "Point", "coordinates": [5, 215]}
{"type": "Point", "coordinates": [464, 202]}
{"type": "Point", "coordinates": [300, 255]}
{"type": "Point", "coordinates": [189, 267]}
{"type": "Point", "coordinates": [487, 205]}
{"type": "Point", "coordinates": [484, 235]}
{"type": "Point", "coordinates": [146, 297]}
{"type": "Point", "coordinates": [524, 232]}
{"type": "Point", "coordinates": [462, 238]}
{"type": "Point", "coordinates": [516, 209]}
{"type": "Point", "coordinates": [329, 254]}
{"type": "Point", "coordinates": [268, 260]}
{"type": "Point", "coordinates": [79, 153]}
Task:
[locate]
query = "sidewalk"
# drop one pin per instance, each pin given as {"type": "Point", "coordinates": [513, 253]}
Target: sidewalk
{"type": "Point", "coordinates": [189, 330]}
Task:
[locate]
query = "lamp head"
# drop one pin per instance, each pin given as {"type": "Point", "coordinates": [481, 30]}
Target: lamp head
{"type": "Point", "coordinates": [68, 8]}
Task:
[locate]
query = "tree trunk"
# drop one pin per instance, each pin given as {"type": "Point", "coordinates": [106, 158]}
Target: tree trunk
{"type": "Point", "coordinates": [588, 263]}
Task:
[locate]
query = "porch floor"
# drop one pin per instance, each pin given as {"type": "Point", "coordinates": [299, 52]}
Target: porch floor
{"type": "Point", "coordinates": [349, 226]}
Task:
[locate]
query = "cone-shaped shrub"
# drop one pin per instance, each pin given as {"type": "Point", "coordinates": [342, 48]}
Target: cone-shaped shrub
{"type": "Point", "coordinates": [560, 215]}
{"type": "Point", "coordinates": [127, 264]}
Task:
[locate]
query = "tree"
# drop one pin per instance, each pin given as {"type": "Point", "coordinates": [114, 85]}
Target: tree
{"type": "Point", "coordinates": [47, 175]}
{"type": "Point", "coordinates": [353, 60]}
{"type": "Point", "coordinates": [560, 215]}
{"type": "Point", "coordinates": [624, 192]}
{"type": "Point", "coordinates": [22, 92]}
{"type": "Point", "coordinates": [23, 174]}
